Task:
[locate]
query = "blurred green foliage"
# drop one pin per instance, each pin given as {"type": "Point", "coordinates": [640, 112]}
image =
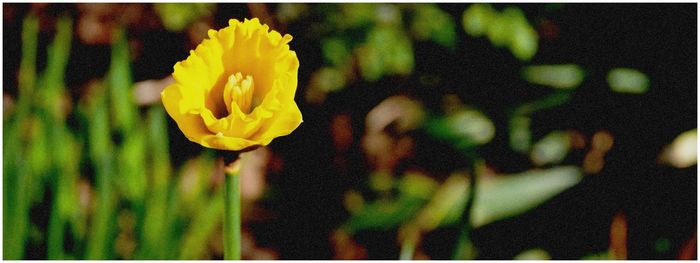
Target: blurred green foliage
{"type": "Point", "coordinates": [132, 177]}
{"type": "Point", "coordinates": [627, 80]}
{"type": "Point", "coordinates": [506, 196]}
{"type": "Point", "coordinates": [519, 124]}
{"type": "Point", "coordinates": [507, 28]}
{"type": "Point", "coordinates": [556, 76]}
{"type": "Point", "coordinates": [533, 254]}
{"type": "Point", "coordinates": [431, 23]}
{"type": "Point", "coordinates": [551, 149]}
{"type": "Point", "coordinates": [114, 194]}
{"type": "Point", "coordinates": [374, 39]}
{"type": "Point", "coordinates": [177, 16]}
{"type": "Point", "coordinates": [462, 129]}
{"type": "Point", "coordinates": [387, 51]}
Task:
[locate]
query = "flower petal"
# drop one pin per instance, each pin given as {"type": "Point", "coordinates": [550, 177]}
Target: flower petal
{"type": "Point", "coordinates": [180, 110]}
{"type": "Point", "coordinates": [279, 124]}
{"type": "Point", "coordinates": [196, 100]}
{"type": "Point", "coordinates": [228, 143]}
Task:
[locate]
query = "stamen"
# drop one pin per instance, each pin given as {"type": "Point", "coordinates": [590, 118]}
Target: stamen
{"type": "Point", "coordinates": [239, 90]}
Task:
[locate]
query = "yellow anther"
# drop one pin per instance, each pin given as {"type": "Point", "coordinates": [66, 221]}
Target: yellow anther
{"type": "Point", "coordinates": [239, 90]}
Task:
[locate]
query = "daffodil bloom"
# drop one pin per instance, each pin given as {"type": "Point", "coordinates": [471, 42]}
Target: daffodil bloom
{"type": "Point", "coordinates": [236, 89]}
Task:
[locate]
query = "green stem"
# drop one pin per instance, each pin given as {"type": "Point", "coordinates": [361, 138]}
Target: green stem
{"type": "Point", "coordinates": [232, 215]}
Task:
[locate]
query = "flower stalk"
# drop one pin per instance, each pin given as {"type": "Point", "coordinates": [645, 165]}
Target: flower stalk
{"type": "Point", "coordinates": [235, 92]}
{"type": "Point", "coordinates": [232, 212]}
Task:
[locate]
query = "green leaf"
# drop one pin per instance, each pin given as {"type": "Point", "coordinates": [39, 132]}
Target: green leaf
{"type": "Point", "coordinates": [683, 151]}
{"type": "Point", "coordinates": [551, 149]}
{"type": "Point", "coordinates": [464, 129]}
{"type": "Point", "coordinates": [27, 68]}
{"type": "Point", "coordinates": [477, 19]}
{"type": "Point", "coordinates": [101, 154]}
{"type": "Point", "coordinates": [328, 79]}
{"type": "Point", "coordinates": [58, 52]}
{"type": "Point", "coordinates": [177, 16]}
{"type": "Point", "coordinates": [16, 174]}
{"type": "Point", "coordinates": [99, 141]}
{"type": "Point", "coordinates": [370, 61]}
{"type": "Point", "coordinates": [524, 42]}
{"type": "Point", "coordinates": [503, 196]}
{"type": "Point", "coordinates": [554, 100]}
{"type": "Point", "coordinates": [123, 107]}
{"type": "Point", "coordinates": [335, 51]}
{"type": "Point", "coordinates": [132, 166]}
{"type": "Point", "coordinates": [156, 223]}
{"type": "Point", "coordinates": [520, 137]}
{"type": "Point", "coordinates": [627, 80]}
{"type": "Point", "coordinates": [384, 214]}
{"type": "Point", "coordinates": [446, 204]}
{"type": "Point", "coordinates": [501, 28]}
{"type": "Point", "coordinates": [509, 28]}
{"type": "Point", "coordinates": [566, 76]}
{"type": "Point", "coordinates": [158, 138]}
{"type": "Point", "coordinates": [387, 51]}
{"type": "Point", "coordinates": [67, 155]}
{"type": "Point", "coordinates": [416, 185]}
{"type": "Point", "coordinates": [533, 254]}
{"type": "Point", "coordinates": [431, 23]}
{"type": "Point", "coordinates": [401, 59]}
{"type": "Point", "coordinates": [38, 148]}
{"type": "Point", "coordinates": [506, 196]}
{"type": "Point", "coordinates": [202, 227]}
{"type": "Point", "coordinates": [357, 14]}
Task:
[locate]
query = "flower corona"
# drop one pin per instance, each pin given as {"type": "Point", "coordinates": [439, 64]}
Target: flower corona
{"type": "Point", "coordinates": [236, 89]}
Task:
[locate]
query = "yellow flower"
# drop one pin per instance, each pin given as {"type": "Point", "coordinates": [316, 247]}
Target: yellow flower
{"type": "Point", "coordinates": [236, 89]}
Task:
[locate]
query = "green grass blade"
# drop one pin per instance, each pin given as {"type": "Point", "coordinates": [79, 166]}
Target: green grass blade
{"type": "Point", "coordinates": [27, 67]}
{"type": "Point", "coordinates": [124, 110]}
{"type": "Point", "coordinates": [100, 145]}
{"type": "Point", "coordinates": [155, 229]}
{"type": "Point", "coordinates": [16, 170]}
{"type": "Point", "coordinates": [202, 227]}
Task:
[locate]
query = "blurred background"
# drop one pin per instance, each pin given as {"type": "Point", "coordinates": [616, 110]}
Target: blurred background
{"type": "Point", "coordinates": [431, 131]}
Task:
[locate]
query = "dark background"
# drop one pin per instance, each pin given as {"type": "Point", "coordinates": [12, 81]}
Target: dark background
{"type": "Point", "coordinates": [659, 202]}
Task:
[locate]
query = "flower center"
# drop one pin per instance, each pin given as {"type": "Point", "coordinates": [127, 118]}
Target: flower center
{"type": "Point", "coordinates": [239, 90]}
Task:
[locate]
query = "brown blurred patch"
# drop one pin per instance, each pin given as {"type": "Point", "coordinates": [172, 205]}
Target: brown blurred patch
{"type": "Point", "coordinates": [147, 92]}
{"type": "Point", "coordinates": [8, 105]}
{"type": "Point", "coordinates": [96, 23]}
{"type": "Point", "coordinates": [253, 172]}
{"type": "Point", "coordinates": [601, 143]}
{"type": "Point", "coordinates": [548, 30]}
{"type": "Point", "coordinates": [341, 130]}
{"type": "Point", "coordinates": [346, 248]}
{"type": "Point", "coordinates": [385, 141]}
{"type": "Point", "coordinates": [125, 244]}
{"type": "Point", "coordinates": [618, 236]}
{"type": "Point", "coordinates": [689, 250]}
